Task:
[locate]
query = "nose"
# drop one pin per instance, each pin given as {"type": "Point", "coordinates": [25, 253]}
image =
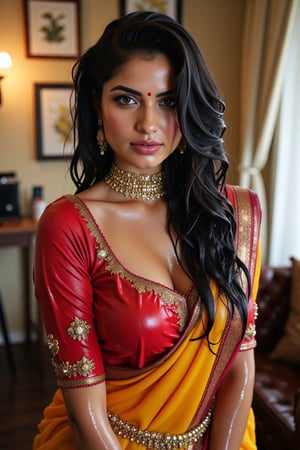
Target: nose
{"type": "Point", "coordinates": [147, 121]}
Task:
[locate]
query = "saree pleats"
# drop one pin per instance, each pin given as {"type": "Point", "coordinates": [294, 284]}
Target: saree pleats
{"type": "Point", "coordinates": [55, 433]}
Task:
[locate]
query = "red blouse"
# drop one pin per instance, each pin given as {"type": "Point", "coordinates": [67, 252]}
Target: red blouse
{"type": "Point", "coordinates": [95, 311]}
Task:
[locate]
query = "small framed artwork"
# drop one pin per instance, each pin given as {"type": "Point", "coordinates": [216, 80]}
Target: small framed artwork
{"type": "Point", "coordinates": [53, 121]}
{"type": "Point", "coordinates": [52, 28]}
{"type": "Point", "coordinates": [170, 7]}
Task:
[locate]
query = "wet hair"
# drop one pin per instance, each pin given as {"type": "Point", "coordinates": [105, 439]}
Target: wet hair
{"type": "Point", "coordinates": [198, 209]}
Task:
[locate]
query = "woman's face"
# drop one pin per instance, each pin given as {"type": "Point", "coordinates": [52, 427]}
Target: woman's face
{"type": "Point", "coordinates": [138, 111]}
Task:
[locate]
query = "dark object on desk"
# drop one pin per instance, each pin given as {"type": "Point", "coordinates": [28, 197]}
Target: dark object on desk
{"type": "Point", "coordinates": [276, 399]}
{"type": "Point", "coordinates": [9, 196]}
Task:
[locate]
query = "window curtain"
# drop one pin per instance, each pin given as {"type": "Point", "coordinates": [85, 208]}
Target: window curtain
{"type": "Point", "coordinates": [267, 31]}
{"type": "Point", "coordinates": [285, 211]}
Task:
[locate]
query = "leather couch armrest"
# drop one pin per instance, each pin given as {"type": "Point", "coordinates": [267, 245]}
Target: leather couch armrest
{"type": "Point", "coordinates": [273, 300]}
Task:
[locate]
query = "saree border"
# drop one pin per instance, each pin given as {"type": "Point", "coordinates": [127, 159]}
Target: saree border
{"type": "Point", "coordinates": [248, 218]}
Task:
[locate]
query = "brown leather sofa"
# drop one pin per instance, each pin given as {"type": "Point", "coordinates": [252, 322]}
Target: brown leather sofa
{"type": "Point", "coordinates": [276, 400]}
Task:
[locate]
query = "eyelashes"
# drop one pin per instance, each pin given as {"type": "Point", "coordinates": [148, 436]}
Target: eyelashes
{"type": "Point", "coordinates": [169, 102]}
{"type": "Point", "coordinates": [127, 100]}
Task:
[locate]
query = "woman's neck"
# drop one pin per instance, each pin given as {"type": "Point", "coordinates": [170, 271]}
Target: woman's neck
{"type": "Point", "coordinates": [134, 185]}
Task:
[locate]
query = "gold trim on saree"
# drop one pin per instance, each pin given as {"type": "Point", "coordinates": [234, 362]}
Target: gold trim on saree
{"type": "Point", "coordinates": [113, 266]}
{"type": "Point", "coordinates": [154, 439]}
{"type": "Point", "coordinates": [248, 217]}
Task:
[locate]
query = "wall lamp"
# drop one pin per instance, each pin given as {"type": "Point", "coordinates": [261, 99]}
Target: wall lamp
{"type": "Point", "coordinates": [5, 63]}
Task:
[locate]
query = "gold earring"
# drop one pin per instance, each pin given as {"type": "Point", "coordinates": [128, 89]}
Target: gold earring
{"type": "Point", "coordinates": [182, 147]}
{"type": "Point", "coordinates": [102, 144]}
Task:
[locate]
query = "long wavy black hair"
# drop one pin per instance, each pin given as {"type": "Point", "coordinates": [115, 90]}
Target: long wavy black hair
{"type": "Point", "coordinates": [198, 210]}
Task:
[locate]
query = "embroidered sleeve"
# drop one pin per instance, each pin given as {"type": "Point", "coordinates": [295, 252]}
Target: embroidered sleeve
{"type": "Point", "coordinates": [249, 340]}
{"type": "Point", "coordinates": [63, 273]}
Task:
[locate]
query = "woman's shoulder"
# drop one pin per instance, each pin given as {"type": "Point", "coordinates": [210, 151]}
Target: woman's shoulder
{"type": "Point", "coordinates": [61, 215]}
{"type": "Point", "coordinates": [59, 209]}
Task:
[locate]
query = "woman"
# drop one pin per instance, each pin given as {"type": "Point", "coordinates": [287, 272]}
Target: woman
{"type": "Point", "coordinates": [146, 277]}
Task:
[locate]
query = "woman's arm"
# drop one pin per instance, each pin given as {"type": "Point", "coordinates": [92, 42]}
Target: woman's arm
{"type": "Point", "coordinates": [233, 402]}
{"type": "Point", "coordinates": [65, 265]}
{"type": "Point", "coordinates": [90, 427]}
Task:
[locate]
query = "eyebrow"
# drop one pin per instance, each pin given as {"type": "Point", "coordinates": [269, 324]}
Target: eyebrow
{"type": "Point", "coordinates": [134, 92]}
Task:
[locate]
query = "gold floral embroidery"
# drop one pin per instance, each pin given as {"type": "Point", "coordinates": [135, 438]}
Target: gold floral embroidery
{"type": "Point", "coordinates": [83, 367]}
{"type": "Point", "coordinates": [78, 329]}
{"type": "Point", "coordinates": [52, 344]}
{"type": "Point", "coordinates": [250, 332]}
{"type": "Point", "coordinates": [141, 285]}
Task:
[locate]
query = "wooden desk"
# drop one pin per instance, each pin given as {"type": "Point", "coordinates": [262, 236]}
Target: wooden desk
{"type": "Point", "coordinates": [20, 233]}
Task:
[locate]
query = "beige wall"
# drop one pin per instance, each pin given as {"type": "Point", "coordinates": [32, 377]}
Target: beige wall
{"type": "Point", "coordinates": [215, 24]}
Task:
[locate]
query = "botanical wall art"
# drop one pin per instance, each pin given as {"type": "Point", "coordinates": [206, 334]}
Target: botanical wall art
{"type": "Point", "coordinates": [52, 28]}
{"type": "Point", "coordinates": [53, 121]}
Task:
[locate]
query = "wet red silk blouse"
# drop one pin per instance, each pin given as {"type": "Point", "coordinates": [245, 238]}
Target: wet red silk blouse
{"type": "Point", "coordinates": [94, 310]}
{"type": "Point", "coordinates": [92, 307]}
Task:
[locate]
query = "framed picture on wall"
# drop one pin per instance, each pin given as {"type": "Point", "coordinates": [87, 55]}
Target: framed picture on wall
{"type": "Point", "coordinates": [170, 7]}
{"type": "Point", "coordinates": [52, 28]}
{"type": "Point", "coordinates": [53, 121]}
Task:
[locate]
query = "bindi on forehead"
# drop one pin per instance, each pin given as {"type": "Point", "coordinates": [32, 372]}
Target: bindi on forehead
{"type": "Point", "coordinates": [149, 94]}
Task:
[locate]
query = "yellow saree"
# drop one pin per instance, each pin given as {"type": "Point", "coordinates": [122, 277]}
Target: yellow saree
{"type": "Point", "coordinates": [177, 392]}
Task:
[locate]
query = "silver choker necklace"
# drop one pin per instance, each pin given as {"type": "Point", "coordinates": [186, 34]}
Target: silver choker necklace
{"type": "Point", "coordinates": [136, 186]}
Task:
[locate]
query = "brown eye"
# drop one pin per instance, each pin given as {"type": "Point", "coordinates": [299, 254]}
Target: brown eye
{"type": "Point", "coordinates": [125, 100]}
{"type": "Point", "coordinates": [168, 102]}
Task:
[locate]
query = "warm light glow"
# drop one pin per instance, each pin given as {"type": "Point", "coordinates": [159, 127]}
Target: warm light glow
{"type": "Point", "coordinates": [5, 60]}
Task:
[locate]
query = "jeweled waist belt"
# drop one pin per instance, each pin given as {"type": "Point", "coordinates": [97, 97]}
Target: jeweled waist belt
{"type": "Point", "coordinates": [153, 439]}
